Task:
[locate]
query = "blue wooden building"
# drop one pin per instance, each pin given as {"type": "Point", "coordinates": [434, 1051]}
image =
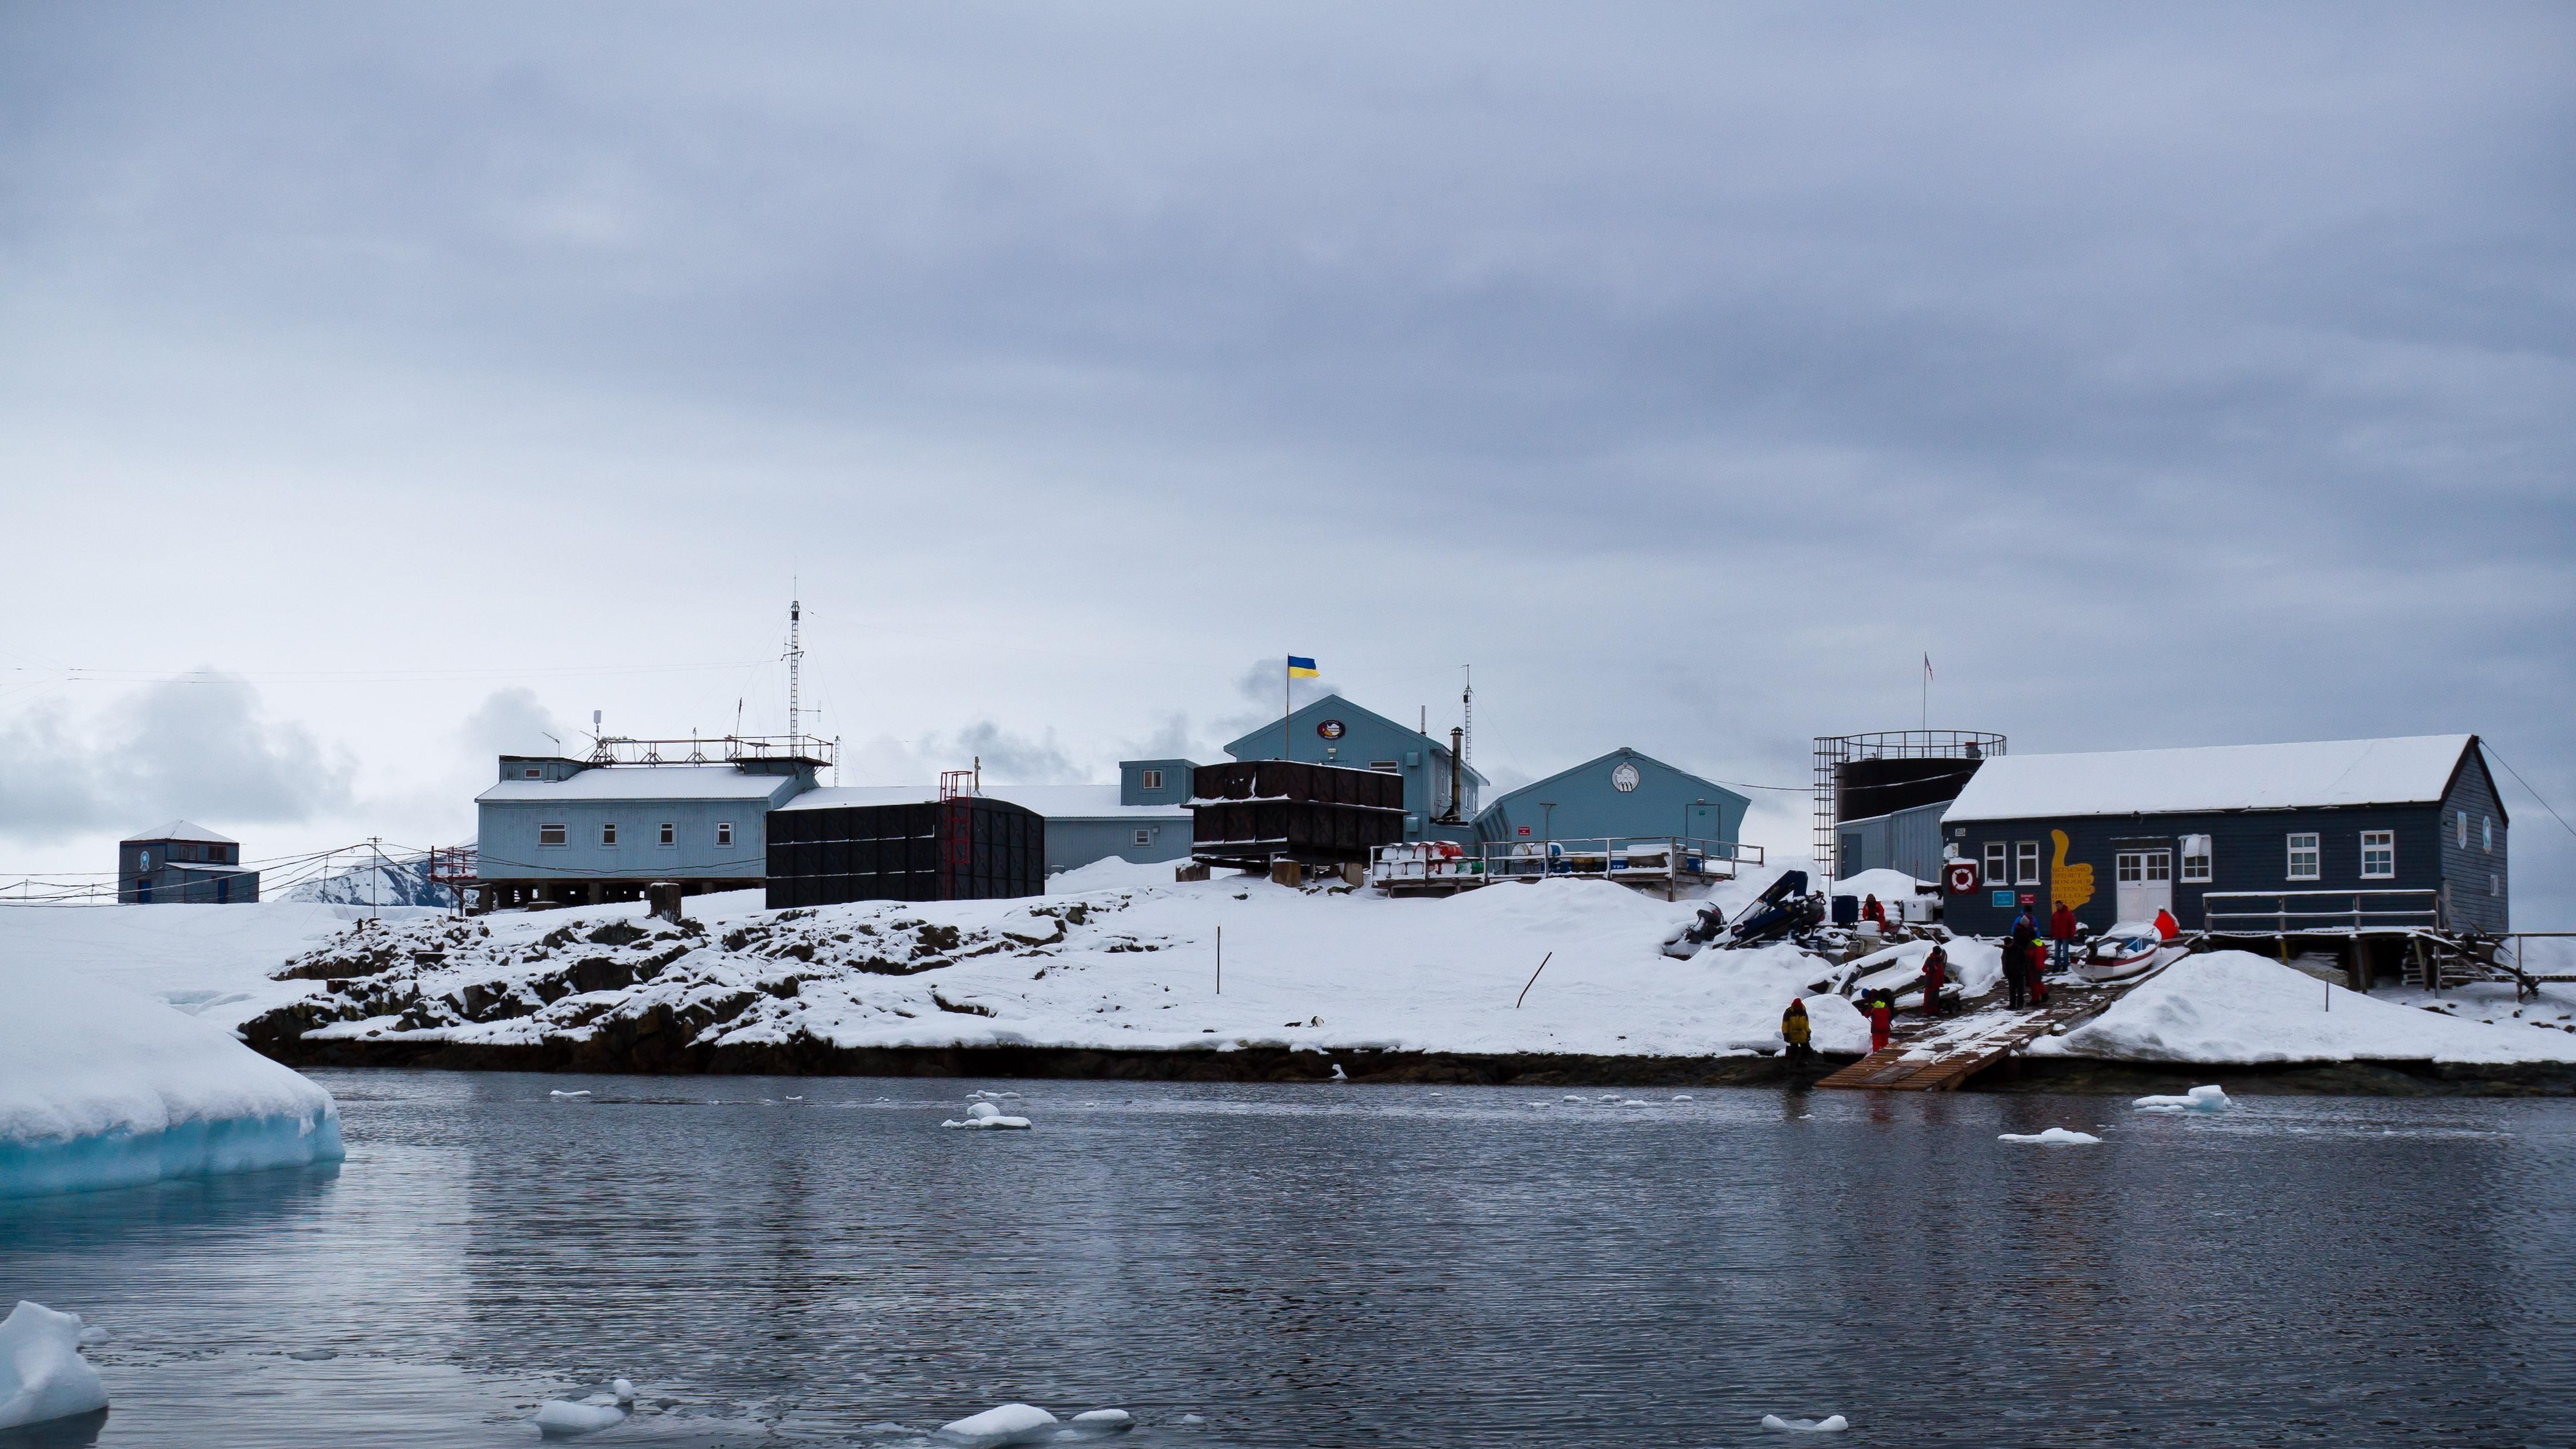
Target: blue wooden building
{"type": "Point", "coordinates": [1334, 731]}
{"type": "Point", "coordinates": [566, 831]}
{"type": "Point", "coordinates": [183, 864]}
{"type": "Point", "coordinates": [2345, 835]}
{"type": "Point", "coordinates": [1624, 793]}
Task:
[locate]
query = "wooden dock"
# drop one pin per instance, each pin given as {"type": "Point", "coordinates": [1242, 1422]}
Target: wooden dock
{"type": "Point", "coordinates": [1941, 1056]}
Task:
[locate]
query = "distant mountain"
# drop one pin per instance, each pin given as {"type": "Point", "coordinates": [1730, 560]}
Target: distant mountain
{"type": "Point", "coordinates": [391, 881]}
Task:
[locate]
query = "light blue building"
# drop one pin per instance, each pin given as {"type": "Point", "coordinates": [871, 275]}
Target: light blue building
{"type": "Point", "coordinates": [1334, 731]}
{"type": "Point", "coordinates": [571, 832]}
{"type": "Point", "coordinates": [1622, 794]}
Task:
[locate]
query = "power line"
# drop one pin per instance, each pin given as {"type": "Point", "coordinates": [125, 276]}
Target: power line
{"type": "Point", "coordinates": [2526, 784]}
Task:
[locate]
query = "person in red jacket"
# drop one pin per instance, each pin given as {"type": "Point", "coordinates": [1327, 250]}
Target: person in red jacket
{"type": "Point", "coordinates": [2061, 934]}
{"type": "Point", "coordinates": [1882, 1020]}
{"type": "Point", "coordinates": [1936, 973]}
{"type": "Point", "coordinates": [1872, 910]}
{"type": "Point", "coordinates": [2038, 974]}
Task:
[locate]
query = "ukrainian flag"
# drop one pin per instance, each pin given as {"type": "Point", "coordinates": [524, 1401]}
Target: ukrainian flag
{"type": "Point", "coordinates": [1302, 668]}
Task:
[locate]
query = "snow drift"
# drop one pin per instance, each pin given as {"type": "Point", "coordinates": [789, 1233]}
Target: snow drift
{"type": "Point", "coordinates": [103, 1088]}
{"type": "Point", "coordinates": [2236, 1007]}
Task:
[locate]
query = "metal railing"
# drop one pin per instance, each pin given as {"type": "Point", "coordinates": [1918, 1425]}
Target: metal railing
{"type": "Point", "coordinates": [723, 749]}
{"type": "Point", "coordinates": [2309, 912]}
{"type": "Point", "coordinates": [1670, 858]}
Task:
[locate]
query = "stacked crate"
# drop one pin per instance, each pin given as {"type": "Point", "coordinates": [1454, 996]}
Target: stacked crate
{"type": "Point", "coordinates": [955, 850]}
{"type": "Point", "coordinates": [1253, 812]}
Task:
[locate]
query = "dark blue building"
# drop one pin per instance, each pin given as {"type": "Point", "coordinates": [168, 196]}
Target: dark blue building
{"type": "Point", "coordinates": [2319, 838]}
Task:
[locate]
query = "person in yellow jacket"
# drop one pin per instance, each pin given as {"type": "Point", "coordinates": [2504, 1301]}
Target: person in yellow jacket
{"type": "Point", "coordinates": [1793, 1030]}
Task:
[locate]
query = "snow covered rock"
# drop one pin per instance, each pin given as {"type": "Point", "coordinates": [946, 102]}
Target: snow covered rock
{"type": "Point", "coordinates": [2053, 1137]}
{"type": "Point", "coordinates": [564, 1418]}
{"type": "Point", "coordinates": [986, 1115]}
{"type": "Point", "coordinates": [2198, 1099]}
{"type": "Point", "coordinates": [42, 1373]}
{"type": "Point", "coordinates": [100, 1087]}
{"type": "Point", "coordinates": [1832, 1424]}
{"type": "Point", "coordinates": [1003, 1424]}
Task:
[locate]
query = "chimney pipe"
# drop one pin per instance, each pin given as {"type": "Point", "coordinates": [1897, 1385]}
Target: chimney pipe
{"type": "Point", "coordinates": [1457, 777]}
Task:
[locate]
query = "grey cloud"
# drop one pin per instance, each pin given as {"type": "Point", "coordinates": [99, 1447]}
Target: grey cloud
{"type": "Point", "coordinates": [511, 722]}
{"type": "Point", "coordinates": [201, 750]}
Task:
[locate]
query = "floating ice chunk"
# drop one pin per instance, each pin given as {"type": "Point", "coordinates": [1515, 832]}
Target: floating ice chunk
{"type": "Point", "coordinates": [2053, 1137]}
{"type": "Point", "coordinates": [2198, 1099]}
{"type": "Point", "coordinates": [1106, 1417]}
{"type": "Point", "coordinates": [1192, 1419]}
{"type": "Point", "coordinates": [1004, 1424]}
{"type": "Point", "coordinates": [1681, 1096]}
{"type": "Point", "coordinates": [583, 1093]}
{"type": "Point", "coordinates": [1832, 1424]}
{"type": "Point", "coordinates": [42, 1373]}
{"type": "Point", "coordinates": [563, 1418]}
{"type": "Point", "coordinates": [94, 1334]}
{"type": "Point", "coordinates": [990, 1096]}
{"type": "Point", "coordinates": [1635, 1102]}
{"type": "Point", "coordinates": [1338, 1074]}
{"type": "Point", "coordinates": [1096, 1424]}
{"type": "Point", "coordinates": [985, 1114]}
{"type": "Point", "coordinates": [1574, 1099]}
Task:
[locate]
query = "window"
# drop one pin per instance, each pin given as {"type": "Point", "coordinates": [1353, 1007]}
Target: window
{"type": "Point", "coordinates": [2026, 862]}
{"type": "Point", "coordinates": [724, 832]}
{"type": "Point", "coordinates": [1149, 780]}
{"type": "Point", "coordinates": [552, 834]}
{"type": "Point", "coordinates": [1996, 874]}
{"type": "Point", "coordinates": [670, 833]}
{"type": "Point", "coordinates": [2195, 860]}
{"type": "Point", "coordinates": [2488, 831]}
{"type": "Point", "coordinates": [2303, 857]}
{"type": "Point", "coordinates": [2379, 855]}
{"type": "Point", "coordinates": [1389, 766]}
{"type": "Point", "coordinates": [535, 773]}
{"type": "Point", "coordinates": [2159, 865]}
{"type": "Point", "coordinates": [1144, 837]}
{"type": "Point", "coordinates": [608, 833]}
{"type": "Point", "coordinates": [2495, 884]}
{"type": "Point", "coordinates": [2131, 865]}
{"type": "Point", "coordinates": [2463, 817]}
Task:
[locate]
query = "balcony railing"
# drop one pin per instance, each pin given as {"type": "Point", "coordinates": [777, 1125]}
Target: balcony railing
{"type": "Point", "coordinates": [1631, 858]}
{"type": "Point", "coordinates": [2285, 913]}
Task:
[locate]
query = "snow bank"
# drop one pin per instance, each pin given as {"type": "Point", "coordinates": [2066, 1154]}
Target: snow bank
{"type": "Point", "coordinates": [2053, 1137]}
{"type": "Point", "coordinates": [103, 1088]}
{"type": "Point", "coordinates": [986, 1115]}
{"type": "Point", "coordinates": [1005, 1424]}
{"type": "Point", "coordinates": [1890, 886]}
{"type": "Point", "coordinates": [2236, 1007]}
{"type": "Point", "coordinates": [2198, 1099]}
{"type": "Point", "coordinates": [1832, 1424]}
{"type": "Point", "coordinates": [42, 1373]}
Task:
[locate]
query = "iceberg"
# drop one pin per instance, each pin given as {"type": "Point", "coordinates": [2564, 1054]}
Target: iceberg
{"type": "Point", "coordinates": [101, 1087]}
{"type": "Point", "coordinates": [2198, 1099]}
{"type": "Point", "coordinates": [42, 1373]}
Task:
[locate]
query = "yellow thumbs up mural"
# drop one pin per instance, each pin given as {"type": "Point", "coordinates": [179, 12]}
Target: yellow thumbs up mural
{"type": "Point", "coordinates": [2072, 884]}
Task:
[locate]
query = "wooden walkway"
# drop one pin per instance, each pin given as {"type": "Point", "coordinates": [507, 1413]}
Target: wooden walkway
{"type": "Point", "coordinates": [1941, 1056]}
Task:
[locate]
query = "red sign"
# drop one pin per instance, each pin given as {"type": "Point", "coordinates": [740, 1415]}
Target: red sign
{"type": "Point", "coordinates": [1963, 877]}
{"type": "Point", "coordinates": [1524, 830]}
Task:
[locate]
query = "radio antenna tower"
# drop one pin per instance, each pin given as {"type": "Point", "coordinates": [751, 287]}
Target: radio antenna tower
{"type": "Point", "coordinates": [795, 659]}
{"type": "Point", "coordinates": [1467, 717]}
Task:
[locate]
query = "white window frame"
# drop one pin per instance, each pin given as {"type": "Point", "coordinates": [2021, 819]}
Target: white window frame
{"type": "Point", "coordinates": [562, 836]}
{"type": "Point", "coordinates": [1997, 869]}
{"type": "Point", "coordinates": [2129, 867]}
{"type": "Point", "coordinates": [670, 834]}
{"type": "Point", "coordinates": [724, 832]}
{"type": "Point", "coordinates": [2159, 866]}
{"type": "Point", "coordinates": [2025, 862]}
{"type": "Point", "coordinates": [2196, 868]}
{"type": "Point", "coordinates": [2383, 842]}
{"type": "Point", "coordinates": [1149, 779]}
{"type": "Point", "coordinates": [608, 835]}
{"type": "Point", "coordinates": [2315, 852]}
{"type": "Point", "coordinates": [1144, 837]}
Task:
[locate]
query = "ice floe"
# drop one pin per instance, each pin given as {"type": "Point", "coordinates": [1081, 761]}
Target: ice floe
{"type": "Point", "coordinates": [100, 1087]}
{"type": "Point", "coordinates": [583, 1093]}
{"type": "Point", "coordinates": [986, 1115]}
{"type": "Point", "coordinates": [2198, 1099]}
{"type": "Point", "coordinates": [1830, 1424]}
{"type": "Point", "coordinates": [1001, 1424]}
{"type": "Point", "coordinates": [42, 1373]}
{"type": "Point", "coordinates": [2053, 1137]}
{"type": "Point", "coordinates": [564, 1418]}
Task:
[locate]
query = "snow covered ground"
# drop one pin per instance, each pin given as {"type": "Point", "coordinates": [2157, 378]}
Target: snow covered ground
{"type": "Point", "coordinates": [209, 961]}
{"type": "Point", "coordinates": [2234, 1007]}
{"type": "Point", "coordinates": [101, 1087]}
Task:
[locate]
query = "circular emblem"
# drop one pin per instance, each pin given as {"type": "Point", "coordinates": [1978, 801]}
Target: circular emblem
{"type": "Point", "coordinates": [1330, 729]}
{"type": "Point", "coordinates": [1624, 778]}
{"type": "Point", "coordinates": [1963, 877]}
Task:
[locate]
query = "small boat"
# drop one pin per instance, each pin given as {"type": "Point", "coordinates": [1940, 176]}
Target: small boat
{"type": "Point", "coordinates": [2126, 950]}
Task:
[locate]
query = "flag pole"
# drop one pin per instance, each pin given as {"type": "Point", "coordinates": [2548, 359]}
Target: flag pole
{"type": "Point", "coordinates": [1287, 705]}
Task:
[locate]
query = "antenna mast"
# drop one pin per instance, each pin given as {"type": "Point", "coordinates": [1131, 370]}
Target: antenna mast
{"type": "Point", "coordinates": [795, 658]}
{"type": "Point", "coordinates": [1467, 714]}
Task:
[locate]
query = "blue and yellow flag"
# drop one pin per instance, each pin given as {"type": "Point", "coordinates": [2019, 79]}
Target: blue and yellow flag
{"type": "Point", "coordinates": [1301, 668]}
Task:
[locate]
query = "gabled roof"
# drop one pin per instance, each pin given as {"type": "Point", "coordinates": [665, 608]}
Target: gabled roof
{"type": "Point", "coordinates": [2415, 770]}
{"type": "Point", "coordinates": [181, 830]}
{"type": "Point", "coordinates": [643, 782]}
{"type": "Point", "coordinates": [1622, 753]}
{"type": "Point", "coordinates": [1257, 744]}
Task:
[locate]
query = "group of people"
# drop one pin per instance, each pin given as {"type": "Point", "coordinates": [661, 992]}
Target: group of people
{"type": "Point", "coordinates": [2026, 965]}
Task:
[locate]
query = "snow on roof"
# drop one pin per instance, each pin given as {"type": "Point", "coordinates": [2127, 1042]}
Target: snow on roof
{"type": "Point", "coordinates": [2216, 777]}
{"type": "Point", "coordinates": [182, 830]}
{"type": "Point", "coordinates": [643, 782]}
{"type": "Point", "coordinates": [1055, 802]}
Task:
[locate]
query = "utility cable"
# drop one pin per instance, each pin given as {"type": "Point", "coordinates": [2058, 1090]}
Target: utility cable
{"type": "Point", "coordinates": [2526, 784]}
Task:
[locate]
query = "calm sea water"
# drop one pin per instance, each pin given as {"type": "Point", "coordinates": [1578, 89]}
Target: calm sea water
{"type": "Point", "coordinates": [1315, 1265]}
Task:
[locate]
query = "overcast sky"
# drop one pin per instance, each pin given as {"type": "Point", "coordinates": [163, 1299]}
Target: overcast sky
{"type": "Point", "coordinates": [437, 375]}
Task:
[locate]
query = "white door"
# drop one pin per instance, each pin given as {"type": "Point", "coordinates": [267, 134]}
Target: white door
{"type": "Point", "coordinates": [2145, 883]}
